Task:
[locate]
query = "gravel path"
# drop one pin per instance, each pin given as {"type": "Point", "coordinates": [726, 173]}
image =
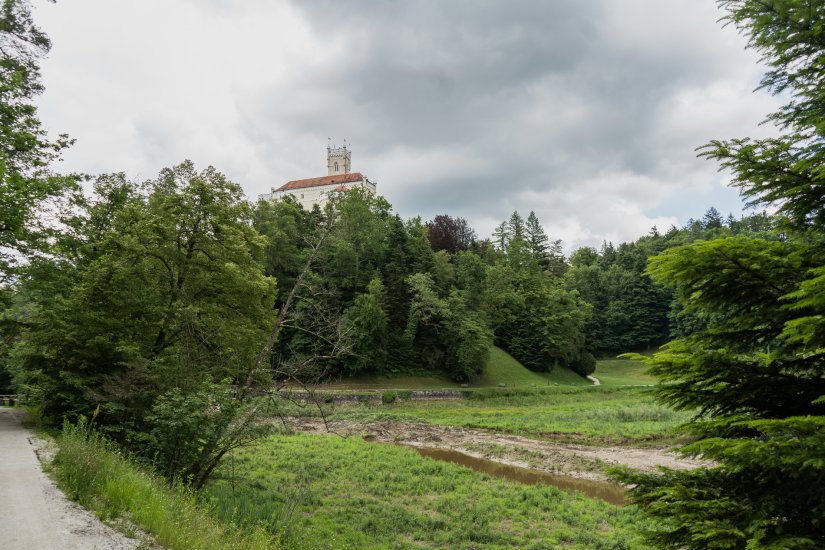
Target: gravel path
{"type": "Point", "coordinates": [34, 514]}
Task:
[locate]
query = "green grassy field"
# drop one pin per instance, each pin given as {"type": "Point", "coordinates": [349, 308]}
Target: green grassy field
{"type": "Point", "coordinates": [558, 405]}
{"type": "Point", "coordinates": [95, 473]}
{"type": "Point", "coordinates": [331, 492]}
{"type": "Point", "coordinates": [325, 491]}
{"type": "Point", "coordinates": [623, 372]}
{"type": "Point", "coordinates": [591, 415]}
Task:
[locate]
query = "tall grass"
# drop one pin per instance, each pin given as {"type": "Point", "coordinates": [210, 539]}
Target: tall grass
{"type": "Point", "coordinates": [92, 471]}
{"type": "Point", "coordinates": [330, 492]}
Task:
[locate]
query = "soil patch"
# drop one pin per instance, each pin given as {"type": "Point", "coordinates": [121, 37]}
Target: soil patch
{"type": "Point", "coordinates": [577, 461]}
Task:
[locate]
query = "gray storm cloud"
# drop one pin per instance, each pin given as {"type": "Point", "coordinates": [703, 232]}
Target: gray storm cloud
{"type": "Point", "coordinates": [587, 112]}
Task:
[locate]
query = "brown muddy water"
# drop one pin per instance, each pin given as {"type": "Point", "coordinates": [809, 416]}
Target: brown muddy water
{"type": "Point", "coordinates": [594, 489]}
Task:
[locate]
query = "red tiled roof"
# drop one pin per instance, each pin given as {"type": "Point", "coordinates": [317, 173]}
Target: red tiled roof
{"type": "Point", "coordinates": [324, 180]}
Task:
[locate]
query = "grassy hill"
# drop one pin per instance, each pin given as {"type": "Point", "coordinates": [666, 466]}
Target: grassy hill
{"type": "Point", "coordinates": [623, 372]}
{"type": "Point", "coordinates": [501, 368]}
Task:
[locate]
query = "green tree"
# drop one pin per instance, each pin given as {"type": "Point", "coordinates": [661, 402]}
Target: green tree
{"type": "Point", "coordinates": [712, 219]}
{"type": "Point", "coordinates": [444, 334]}
{"type": "Point", "coordinates": [540, 323]}
{"type": "Point", "coordinates": [26, 152]}
{"type": "Point", "coordinates": [369, 325]}
{"type": "Point", "coordinates": [537, 239]}
{"type": "Point", "coordinates": [501, 236]}
{"type": "Point", "coordinates": [756, 373]}
{"type": "Point", "coordinates": [285, 224]}
{"type": "Point", "coordinates": [167, 293]}
{"type": "Point", "coordinates": [515, 226]}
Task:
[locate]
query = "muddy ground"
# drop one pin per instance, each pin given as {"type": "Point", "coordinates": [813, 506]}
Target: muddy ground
{"type": "Point", "coordinates": [578, 461]}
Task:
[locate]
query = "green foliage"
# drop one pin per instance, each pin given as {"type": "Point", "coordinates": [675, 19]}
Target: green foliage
{"type": "Point", "coordinates": [369, 324]}
{"type": "Point", "coordinates": [27, 183]}
{"type": "Point", "coordinates": [388, 397]}
{"type": "Point", "coordinates": [585, 364]}
{"type": "Point", "coordinates": [284, 224]}
{"type": "Point", "coordinates": [445, 333]}
{"type": "Point", "coordinates": [25, 148]}
{"type": "Point", "coordinates": [191, 432]}
{"type": "Point", "coordinates": [94, 472]}
{"type": "Point", "coordinates": [155, 291]}
{"type": "Point", "coordinates": [538, 322]}
{"type": "Point", "coordinates": [755, 367]}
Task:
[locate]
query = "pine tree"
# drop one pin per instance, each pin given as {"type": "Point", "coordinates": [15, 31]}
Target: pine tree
{"type": "Point", "coordinates": [501, 236]}
{"type": "Point", "coordinates": [516, 226]}
{"type": "Point", "coordinates": [537, 240]}
{"type": "Point", "coordinates": [712, 219]}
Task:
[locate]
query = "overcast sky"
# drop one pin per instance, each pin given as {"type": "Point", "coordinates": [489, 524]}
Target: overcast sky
{"type": "Point", "coordinates": [586, 111]}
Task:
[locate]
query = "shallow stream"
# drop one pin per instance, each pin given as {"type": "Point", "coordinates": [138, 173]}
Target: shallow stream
{"type": "Point", "coordinates": [603, 490]}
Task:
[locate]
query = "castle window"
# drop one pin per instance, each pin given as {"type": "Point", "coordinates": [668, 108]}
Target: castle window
{"type": "Point", "coordinates": [336, 165]}
{"type": "Point", "coordinates": [302, 195]}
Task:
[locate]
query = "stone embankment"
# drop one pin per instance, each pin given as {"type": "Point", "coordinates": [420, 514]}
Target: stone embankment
{"type": "Point", "coordinates": [370, 396]}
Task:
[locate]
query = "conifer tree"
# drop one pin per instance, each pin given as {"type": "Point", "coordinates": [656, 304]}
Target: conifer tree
{"type": "Point", "coordinates": [516, 226]}
{"type": "Point", "coordinates": [755, 374]}
{"type": "Point", "coordinates": [538, 241]}
{"type": "Point", "coordinates": [712, 219]}
{"type": "Point", "coordinates": [501, 236]}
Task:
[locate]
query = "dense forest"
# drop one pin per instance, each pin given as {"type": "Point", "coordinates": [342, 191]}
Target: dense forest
{"type": "Point", "coordinates": [164, 285]}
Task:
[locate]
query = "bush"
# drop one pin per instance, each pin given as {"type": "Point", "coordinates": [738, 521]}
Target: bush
{"type": "Point", "coordinates": [585, 365]}
{"type": "Point", "coordinates": [191, 431]}
{"type": "Point", "coordinates": [388, 397]}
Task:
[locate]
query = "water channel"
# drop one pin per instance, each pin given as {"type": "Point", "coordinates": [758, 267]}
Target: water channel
{"type": "Point", "coordinates": [609, 492]}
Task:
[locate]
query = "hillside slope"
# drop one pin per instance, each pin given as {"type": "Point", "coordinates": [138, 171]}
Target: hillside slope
{"type": "Point", "coordinates": [501, 368]}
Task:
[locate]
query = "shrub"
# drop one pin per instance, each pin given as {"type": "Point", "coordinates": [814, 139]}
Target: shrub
{"type": "Point", "coordinates": [585, 365]}
{"type": "Point", "coordinates": [388, 397]}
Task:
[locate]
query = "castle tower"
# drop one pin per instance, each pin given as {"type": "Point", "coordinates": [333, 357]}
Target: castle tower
{"type": "Point", "coordinates": [338, 160]}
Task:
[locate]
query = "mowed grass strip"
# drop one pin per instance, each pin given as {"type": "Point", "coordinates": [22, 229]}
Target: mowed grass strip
{"type": "Point", "coordinates": [623, 372]}
{"type": "Point", "coordinates": [331, 492]}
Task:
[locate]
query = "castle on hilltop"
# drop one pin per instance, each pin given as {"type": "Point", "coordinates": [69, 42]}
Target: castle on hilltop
{"type": "Point", "coordinates": [339, 179]}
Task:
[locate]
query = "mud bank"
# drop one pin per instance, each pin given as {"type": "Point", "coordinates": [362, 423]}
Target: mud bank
{"type": "Point", "coordinates": [577, 461]}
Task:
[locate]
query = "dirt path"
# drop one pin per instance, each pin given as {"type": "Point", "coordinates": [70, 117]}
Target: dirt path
{"type": "Point", "coordinates": [573, 460]}
{"type": "Point", "coordinates": [34, 514]}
